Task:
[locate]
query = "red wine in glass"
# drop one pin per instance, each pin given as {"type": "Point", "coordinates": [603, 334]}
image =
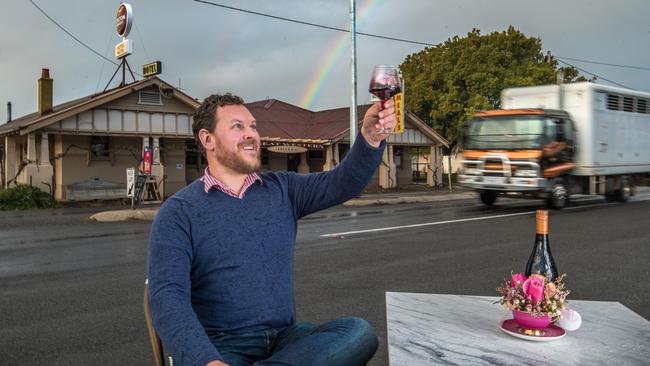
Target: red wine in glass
{"type": "Point", "coordinates": [384, 93]}
{"type": "Point", "coordinates": [385, 82]}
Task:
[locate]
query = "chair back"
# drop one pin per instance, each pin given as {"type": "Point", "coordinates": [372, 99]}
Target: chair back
{"type": "Point", "coordinates": [156, 344]}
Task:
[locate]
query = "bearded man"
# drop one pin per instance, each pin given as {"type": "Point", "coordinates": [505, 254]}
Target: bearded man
{"type": "Point", "coordinates": [220, 265]}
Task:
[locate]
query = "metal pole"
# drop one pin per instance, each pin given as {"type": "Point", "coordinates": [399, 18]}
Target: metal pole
{"type": "Point", "coordinates": [560, 80]}
{"type": "Point", "coordinates": [449, 171]}
{"type": "Point", "coordinates": [353, 72]}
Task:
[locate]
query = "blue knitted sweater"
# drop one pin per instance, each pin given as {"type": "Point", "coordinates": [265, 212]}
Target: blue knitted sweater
{"type": "Point", "coordinates": [219, 263]}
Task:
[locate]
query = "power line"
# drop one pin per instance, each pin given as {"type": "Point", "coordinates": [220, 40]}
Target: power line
{"type": "Point", "coordinates": [72, 35]}
{"type": "Point", "coordinates": [331, 28]}
{"type": "Point", "coordinates": [398, 39]}
{"type": "Point", "coordinates": [598, 76]}
{"type": "Point", "coordinates": [311, 24]}
{"type": "Point", "coordinates": [101, 72]}
{"type": "Point", "coordinates": [604, 63]}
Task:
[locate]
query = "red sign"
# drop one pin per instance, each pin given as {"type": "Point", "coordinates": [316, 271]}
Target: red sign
{"type": "Point", "coordinates": [123, 20]}
{"type": "Point", "coordinates": [147, 159]}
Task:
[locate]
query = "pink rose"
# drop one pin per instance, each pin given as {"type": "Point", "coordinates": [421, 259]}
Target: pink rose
{"type": "Point", "coordinates": [517, 278]}
{"type": "Point", "coordinates": [534, 288]}
{"type": "Point", "coordinates": [540, 276]}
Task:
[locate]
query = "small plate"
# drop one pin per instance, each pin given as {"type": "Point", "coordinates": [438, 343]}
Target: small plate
{"type": "Point", "coordinates": [551, 333]}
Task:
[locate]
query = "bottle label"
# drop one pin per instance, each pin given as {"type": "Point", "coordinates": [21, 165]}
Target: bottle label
{"type": "Point", "coordinates": [541, 222]}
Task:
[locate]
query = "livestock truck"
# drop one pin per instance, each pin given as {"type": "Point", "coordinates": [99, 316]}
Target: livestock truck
{"type": "Point", "coordinates": [554, 141]}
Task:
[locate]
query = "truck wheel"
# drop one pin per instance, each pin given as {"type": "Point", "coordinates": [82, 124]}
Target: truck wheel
{"type": "Point", "coordinates": [624, 193]}
{"type": "Point", "coordinates": [559, 196]}
{"type": "Point", "coordinates": [488, 197]}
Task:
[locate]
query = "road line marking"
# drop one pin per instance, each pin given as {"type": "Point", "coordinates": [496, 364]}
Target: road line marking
{"type": "Point", "coordinates": [391, 228]}
{"type": "Point", "coordinates": [425, 224]}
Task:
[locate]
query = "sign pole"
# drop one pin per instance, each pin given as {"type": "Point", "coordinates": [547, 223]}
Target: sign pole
{"type": "Point", "coordinates": [353, 72]}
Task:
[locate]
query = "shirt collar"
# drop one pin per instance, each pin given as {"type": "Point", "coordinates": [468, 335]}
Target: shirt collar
{"type": "Point", "coordinates": [210, 182]}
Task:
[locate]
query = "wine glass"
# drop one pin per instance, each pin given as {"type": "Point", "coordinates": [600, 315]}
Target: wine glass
{"type": "Point", "coordinates": [385, 82]}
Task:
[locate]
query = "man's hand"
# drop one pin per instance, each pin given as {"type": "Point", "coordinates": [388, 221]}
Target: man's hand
{"type": "Point", "coordinates": [216, 363]}
{"type": "Point", "coordinates": [376, 119]}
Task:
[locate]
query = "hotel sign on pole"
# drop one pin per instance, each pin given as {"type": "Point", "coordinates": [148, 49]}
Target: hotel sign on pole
{"type": "Point", "coordinates": [123, 49]}
{"type": "Point", "coordinates": [123, 22]}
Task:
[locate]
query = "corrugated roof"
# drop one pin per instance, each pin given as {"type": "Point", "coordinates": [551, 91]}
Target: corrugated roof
{"type": "Point", "coordinates": [36, 120]}
{"type": "Point", "coordinates": [27, 119]}
{"type": "Point", "coordinates": [279, 120]}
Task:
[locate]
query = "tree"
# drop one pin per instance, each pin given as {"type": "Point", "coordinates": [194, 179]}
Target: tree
{"type": "Point", "coordinates": [447, 83]}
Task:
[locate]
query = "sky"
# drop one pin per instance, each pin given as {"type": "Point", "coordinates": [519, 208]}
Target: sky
{"type": "Point", "coordinates": [206, 49]}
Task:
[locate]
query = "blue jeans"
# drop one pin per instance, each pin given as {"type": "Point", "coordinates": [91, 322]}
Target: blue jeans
{"type": "Point", "coordinates": [341, 342]}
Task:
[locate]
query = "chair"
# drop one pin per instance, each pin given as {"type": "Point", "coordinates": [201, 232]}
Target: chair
{"type": "Point", "coordinates": [156, 343]}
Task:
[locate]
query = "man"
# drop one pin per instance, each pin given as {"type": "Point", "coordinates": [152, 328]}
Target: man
{"type": "Point", "coordinates": [221, 249]}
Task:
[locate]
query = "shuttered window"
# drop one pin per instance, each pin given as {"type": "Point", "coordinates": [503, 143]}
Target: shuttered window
{"type": "Point", "coordinates": [149, 98]}
{"type": "Point", "coordinates": [612, 102]}
{"type": "Point", "coordinates": [628, 104]}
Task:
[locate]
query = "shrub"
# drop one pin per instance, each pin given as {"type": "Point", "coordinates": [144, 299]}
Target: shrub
{"type": "Point", "coordinates": [24, 197]}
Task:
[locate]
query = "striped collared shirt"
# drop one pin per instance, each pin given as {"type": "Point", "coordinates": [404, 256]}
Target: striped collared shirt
{"type": "Point", "coordinates": [212, 182]}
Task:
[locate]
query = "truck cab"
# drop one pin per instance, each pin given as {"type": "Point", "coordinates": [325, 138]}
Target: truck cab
{"type": "Point", "coordinates": [519, 152]}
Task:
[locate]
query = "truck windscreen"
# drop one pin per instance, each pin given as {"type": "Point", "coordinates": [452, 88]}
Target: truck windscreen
{"type": "Point", "coordinates": [505, 132]}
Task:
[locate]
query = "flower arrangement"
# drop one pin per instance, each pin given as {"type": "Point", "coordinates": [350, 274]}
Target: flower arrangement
{"type": "Point", "coordinates": [535, 295]}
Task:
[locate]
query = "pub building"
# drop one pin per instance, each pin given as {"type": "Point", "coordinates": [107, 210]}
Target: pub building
{"type": "Point", "coordinates": [80, 150]}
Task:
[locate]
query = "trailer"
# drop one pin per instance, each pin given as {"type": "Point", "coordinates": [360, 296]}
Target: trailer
{"type": "Point", "coordinates": [554, 141]}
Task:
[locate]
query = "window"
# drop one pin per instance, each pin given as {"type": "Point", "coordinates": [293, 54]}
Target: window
{"type": "Point", "coordinates": [612, 102]}
{"type": "Point", "coordinates": [100, 148]}
{"type": "Point", "coordinates": [628, 104]}
{"type": "Point", "coordinates": [150, 98]}
{"type": "Point", "coordinates": [568, 130]}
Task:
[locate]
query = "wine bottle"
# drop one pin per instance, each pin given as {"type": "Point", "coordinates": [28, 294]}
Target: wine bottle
{"type": "Point", "coordinates": [541, 260]}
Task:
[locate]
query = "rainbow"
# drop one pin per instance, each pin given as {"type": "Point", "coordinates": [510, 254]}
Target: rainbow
{"type": "Point", "coordinates": [334, 54]}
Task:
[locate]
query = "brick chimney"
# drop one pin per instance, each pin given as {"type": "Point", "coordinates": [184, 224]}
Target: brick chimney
{"type": "Point", "coordinates": [45, 92]}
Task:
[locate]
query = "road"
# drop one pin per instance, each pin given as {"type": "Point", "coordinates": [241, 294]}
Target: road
{"type": "Point", "coordinates": [71, 289]}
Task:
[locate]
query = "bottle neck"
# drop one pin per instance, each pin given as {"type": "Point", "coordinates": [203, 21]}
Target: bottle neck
{"type": "Point", "coordinates": [541, 227]}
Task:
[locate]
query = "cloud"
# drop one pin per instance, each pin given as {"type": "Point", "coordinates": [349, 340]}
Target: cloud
{"type": "Point", "coordinates": [210, 48]}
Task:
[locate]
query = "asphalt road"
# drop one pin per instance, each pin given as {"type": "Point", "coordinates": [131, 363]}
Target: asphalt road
{"type": "Point", "coordinates": [71, 289]}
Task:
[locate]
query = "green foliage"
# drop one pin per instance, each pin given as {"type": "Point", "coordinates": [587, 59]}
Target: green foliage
{"type": "Point", "coordinates": [24, 197]}
{"type": "Point", "coordinates": [447, 83]}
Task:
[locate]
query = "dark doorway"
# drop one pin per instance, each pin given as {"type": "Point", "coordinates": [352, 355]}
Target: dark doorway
{"type": "Point", "coordinates": [293, 160]}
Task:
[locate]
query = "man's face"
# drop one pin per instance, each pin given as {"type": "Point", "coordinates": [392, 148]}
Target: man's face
{"type": "Point", "coordinates": [236, 140]}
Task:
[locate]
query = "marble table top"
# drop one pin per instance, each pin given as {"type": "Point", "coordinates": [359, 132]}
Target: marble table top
{"type": "Point", "coordinates": [432, 329]}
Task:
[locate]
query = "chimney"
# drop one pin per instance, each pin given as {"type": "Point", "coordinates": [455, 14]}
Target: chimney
{"type": "Point", "coordinates": [45, 92]}
{"type": "Point", "coordinates": [8, 112]}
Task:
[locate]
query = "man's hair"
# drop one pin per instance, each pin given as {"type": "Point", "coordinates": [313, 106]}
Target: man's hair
{"type": "Point", "coordinates": [206, 113]}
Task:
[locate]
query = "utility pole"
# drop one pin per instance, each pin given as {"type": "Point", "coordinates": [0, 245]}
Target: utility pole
{"type": "Point", "coordinates": [353, 72]}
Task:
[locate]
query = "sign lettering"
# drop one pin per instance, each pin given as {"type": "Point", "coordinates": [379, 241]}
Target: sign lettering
{"type": "Point", "coordinates": [306, 145]}
{"type": "Point", "coordinates": [287, 149]}
{"type": "Point", "coordinates": [399, 112]}
{"type": "Point", "coordinates": [130, 182]}
{"type": "Point", "coordinates": [123, 49]}
{"type": "Point", "coordinates": [123, 20]}
{"type": "Point", "coordinates": [151, 69]}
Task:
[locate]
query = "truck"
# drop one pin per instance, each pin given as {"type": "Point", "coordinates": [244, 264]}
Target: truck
{"type": "Point", "coordinates": [555, 141]}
